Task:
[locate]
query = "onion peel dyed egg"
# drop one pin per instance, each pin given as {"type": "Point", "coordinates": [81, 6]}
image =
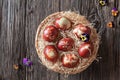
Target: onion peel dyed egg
{"type": "Point", "coordinates": [51, 53]}
{"type": "Point", "coordinates": [65, 44]}
{"type": "Point", "coordinates": [50, 33]}
{"type": "Point", "coordinates": [85, 50]}
{"type": "Point", "coordinates": [80, 29]}
{"type": "Point", "coordinates": [70, 60]}
{"type": "Point", "coordinates": [62, 23]}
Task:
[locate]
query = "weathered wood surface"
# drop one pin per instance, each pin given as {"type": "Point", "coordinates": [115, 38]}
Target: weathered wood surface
{"type": "Point", "coordinates": [19, 20]}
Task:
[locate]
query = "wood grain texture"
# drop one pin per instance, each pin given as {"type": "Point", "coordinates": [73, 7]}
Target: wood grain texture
{"type": "Point", "coordinates": [19, 20]}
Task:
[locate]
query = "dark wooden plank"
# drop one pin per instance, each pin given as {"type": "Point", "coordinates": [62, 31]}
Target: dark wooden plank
{"type": "Point", "coordinates": [0, 40]}
{"type": "Point", "coordinates": [33, 17]}
{"type": "Point", "coordinates": [108, 46]}
{"type": "Point", "coordinates": [116, 46]}
{"type": "Point", "coordinates": [12, 38]}
{"type": "Point", "coordinates": [36, 11]}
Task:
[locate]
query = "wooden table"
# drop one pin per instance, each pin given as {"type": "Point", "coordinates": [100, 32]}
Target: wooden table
{"type": "Point", "coordinates": [19, 20]}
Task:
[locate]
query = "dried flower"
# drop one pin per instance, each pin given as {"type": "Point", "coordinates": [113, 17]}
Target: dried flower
{"type": "Point", "coordinates": [16, 66]}
{"type": "Point", "coordinates": [27, 62]}
{"type": "Point", "coordinates": [110, 24]}
{"type": "Point", "coordinates": [84, 37]}
{"type": "Point", "coordinates": [114, 12]}
{"type": "Point", "coordinates": [102, 2]}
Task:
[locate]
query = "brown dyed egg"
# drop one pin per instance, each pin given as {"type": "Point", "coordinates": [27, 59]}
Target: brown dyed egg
{"type": "Point", "coordinates": [50, 33]}
{"type": "Point", "coordinates": [62, 23]}
{"type": "Point", "coordinates": [85, 50]}
{"type": "Point", "coordinates": [51, 53]}
{"type": "Point", "coordinates": [81, 29]}
{"type": "Point", "coordinates": [65, 44]}
{"type": "Point", "coordinates": [70, 60]}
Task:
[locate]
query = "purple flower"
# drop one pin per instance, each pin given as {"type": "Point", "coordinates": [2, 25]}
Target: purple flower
{"type": "Point", "coordinates": [27, 62]}
{"type": "Point", "coordinates": [115, 9]}
{"type": "Point", "coordinates": [85, 37]}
